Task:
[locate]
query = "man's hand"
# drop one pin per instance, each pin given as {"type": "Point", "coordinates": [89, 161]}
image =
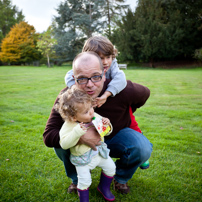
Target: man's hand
{"type": "Point", "coordinates": [90, 138]}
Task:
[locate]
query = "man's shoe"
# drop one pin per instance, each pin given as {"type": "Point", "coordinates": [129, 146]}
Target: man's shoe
{"type": "Point", "coordinates": [72, 188]}
{"type": "Point", "coordinates": [145, 165]}
{"type": "Point", "coordinates": [121, 188]}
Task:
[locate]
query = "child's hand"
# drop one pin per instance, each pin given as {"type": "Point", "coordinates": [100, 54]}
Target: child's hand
{"type": "Point", "coordinates": [82, 125]}
{"type": "Point", "coordinates": [105, 121]}
{"type": "Point", "coordinates": [94, 103]}
{"type": "Point", "coordinates": [101, 100]}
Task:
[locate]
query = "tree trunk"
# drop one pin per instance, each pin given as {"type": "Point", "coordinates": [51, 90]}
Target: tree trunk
{"type": "Point", "coordinates": [90, 14]}
{"type": "Point", "coordinates": [48, 60]}
{"type": "Point", "coordinates": [151, 63]}
{"type": "Point", "coordinates": [109, 19]}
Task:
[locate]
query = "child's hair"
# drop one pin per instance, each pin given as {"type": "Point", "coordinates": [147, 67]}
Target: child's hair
{"type": "Point", "coordinates": [68, 102]}
{"type": "Point", "coordinates": [100, 45]}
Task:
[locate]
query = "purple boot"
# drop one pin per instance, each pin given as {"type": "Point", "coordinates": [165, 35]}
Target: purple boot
{"type": "Point", "coordinates": [83, 195]}
{"type": "Point", "coordinates": [104, 187]}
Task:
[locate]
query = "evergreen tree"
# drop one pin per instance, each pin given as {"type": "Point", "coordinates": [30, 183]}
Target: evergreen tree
{"type": "Point", "coordinates": [9, 15]}
{"type": "Point", "coordinates": [19, 46]}
{"type": "Point", "coordinates": [157, 30]}
{"type": "Point", "coordinates": [76, 21]}
{"type": "Point", "coordinates": [79, 19]}
{"type": "Point", "coordinates": [113, 10]}
{"type": "Point", "coordinates": [160, 30]}
{"type": "Point", "coordinates": [191, 24]}
{"type": "Point", "coordinates": [124, 38]}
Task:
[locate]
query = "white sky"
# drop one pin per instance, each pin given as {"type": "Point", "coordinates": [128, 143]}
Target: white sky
{"type": "Point", "coordinates": [39, 13]}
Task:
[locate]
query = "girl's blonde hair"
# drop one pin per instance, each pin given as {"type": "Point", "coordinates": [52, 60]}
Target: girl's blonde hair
{"type": "Point", "coordinates": [100, 45]}
{"type": "Point", "coordinates": [67, 104]}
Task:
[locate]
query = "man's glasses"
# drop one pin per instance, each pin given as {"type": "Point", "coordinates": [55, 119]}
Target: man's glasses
{"type": "Point", "coordinates": [94, 79]}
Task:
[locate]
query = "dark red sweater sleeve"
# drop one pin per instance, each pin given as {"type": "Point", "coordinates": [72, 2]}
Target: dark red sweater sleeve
{"type": "Point", "coordinates": [51, 136]}
{"type": "Point", "coordinates": [139, 93]}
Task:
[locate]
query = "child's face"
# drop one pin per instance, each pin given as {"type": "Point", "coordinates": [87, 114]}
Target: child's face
{"type": "Point", "coordinates": [85, 113]}
{"type": "Point", "coordinates": [106, 61]}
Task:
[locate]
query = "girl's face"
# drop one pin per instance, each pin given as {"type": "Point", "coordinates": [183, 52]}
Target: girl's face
{"type": "Point", "coordinates": [85, 113]}
{"type": "Point", "coordinates": [106, 61]}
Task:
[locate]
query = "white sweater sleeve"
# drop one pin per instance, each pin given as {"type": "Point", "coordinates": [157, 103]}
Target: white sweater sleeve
{"type": "Point", "coordinates": [70, 134]}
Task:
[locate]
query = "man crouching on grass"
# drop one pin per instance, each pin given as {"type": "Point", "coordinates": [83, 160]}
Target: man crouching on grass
{"type": "Point", "coordinates": [130, 147]}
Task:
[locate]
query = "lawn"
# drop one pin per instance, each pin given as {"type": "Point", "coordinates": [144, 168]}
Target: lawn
{"type": "Point", "coordinates": [171, 120]}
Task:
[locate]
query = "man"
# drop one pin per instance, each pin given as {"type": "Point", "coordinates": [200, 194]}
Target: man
{"type": "Point", "coordinates": [130, 147]}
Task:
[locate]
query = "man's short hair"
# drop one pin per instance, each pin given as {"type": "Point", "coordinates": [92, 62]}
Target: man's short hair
{"type": "Point", "coordinates": [88, 55]}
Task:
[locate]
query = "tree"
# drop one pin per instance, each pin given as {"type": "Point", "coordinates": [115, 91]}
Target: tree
{"type": "Point", "coordinates": [76, 20]}
{"type": "Point", "coordinates": [46, 43]}
{"type": "Point", "coordinates": [19, 46]}
{"type": "Point", "coordinates": [113, 9]}
{"type": "Point", "coordinates": [124, 38]}
{"type": "Point", "coordinates": [157, 31]}
{"type": "Point", "coordinates": [79, 19]}
{"type": "Point", "coordinates": [191, 24]}
{"type": "Point", "coordinates": [160, 30]}
{"type": "Point", "coordinates": [9, 15]}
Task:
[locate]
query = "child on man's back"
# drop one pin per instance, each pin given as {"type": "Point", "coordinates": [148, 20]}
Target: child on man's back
{"type": "Point", "coordinates": [105, 49]}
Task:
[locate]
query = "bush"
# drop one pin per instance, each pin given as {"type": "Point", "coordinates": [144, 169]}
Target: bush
{"type": "Point", "coordinates": [198, 54]}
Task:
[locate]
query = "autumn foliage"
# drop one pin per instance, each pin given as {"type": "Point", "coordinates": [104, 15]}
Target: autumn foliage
{"type": "Point", "coordinates": [19, 45]}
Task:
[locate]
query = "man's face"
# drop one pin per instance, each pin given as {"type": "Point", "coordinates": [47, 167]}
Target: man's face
{"type": "Point", "coordinates": [87, 69]}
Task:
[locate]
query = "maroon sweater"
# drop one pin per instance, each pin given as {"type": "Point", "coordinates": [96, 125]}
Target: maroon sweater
{"type": "Point", "coordinates": [116, 109]}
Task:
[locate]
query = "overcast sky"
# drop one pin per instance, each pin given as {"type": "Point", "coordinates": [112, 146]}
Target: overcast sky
{"type": "Point", "coordinates": [39, 13]}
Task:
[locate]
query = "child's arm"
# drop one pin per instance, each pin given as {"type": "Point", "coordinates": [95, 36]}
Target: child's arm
{"type": "Point", "coordinates": [70, 134]}
{"type": "Point", "coordinates": [116, 85]}
{"type": "Point", "coordinates": [118, 79]}
{"type": "Point", "coordinates": [69, 80]}
{"type": "Point", "coordinates": [101, 100]}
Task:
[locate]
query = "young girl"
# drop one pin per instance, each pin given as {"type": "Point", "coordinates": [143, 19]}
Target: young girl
{"type": "Point", "coordinates": [107, 52]}
{"type": "Point", "coordinates": [75, 107]}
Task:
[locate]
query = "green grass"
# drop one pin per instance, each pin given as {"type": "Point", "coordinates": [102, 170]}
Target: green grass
{"type": "Point", "coordinates": [171, 120]}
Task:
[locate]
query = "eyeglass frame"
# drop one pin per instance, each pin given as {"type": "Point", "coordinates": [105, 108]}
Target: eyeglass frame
{"type": "Point", "coordinates": [101, 75]}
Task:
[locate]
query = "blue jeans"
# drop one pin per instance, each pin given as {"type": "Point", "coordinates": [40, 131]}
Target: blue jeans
{"type": "Point", "coordinates": [130, 147]}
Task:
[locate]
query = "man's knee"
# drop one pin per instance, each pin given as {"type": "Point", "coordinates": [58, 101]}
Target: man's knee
{"type": "Point", "coordinates": [136, 154]}
{"type": "Point", "coordinates": [144, 153]}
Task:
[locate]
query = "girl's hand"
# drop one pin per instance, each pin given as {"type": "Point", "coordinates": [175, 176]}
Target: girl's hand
{"type": "Point", "coordinates": [82, 125]}
{"type": "Point", "coordinates": [105, 121]}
